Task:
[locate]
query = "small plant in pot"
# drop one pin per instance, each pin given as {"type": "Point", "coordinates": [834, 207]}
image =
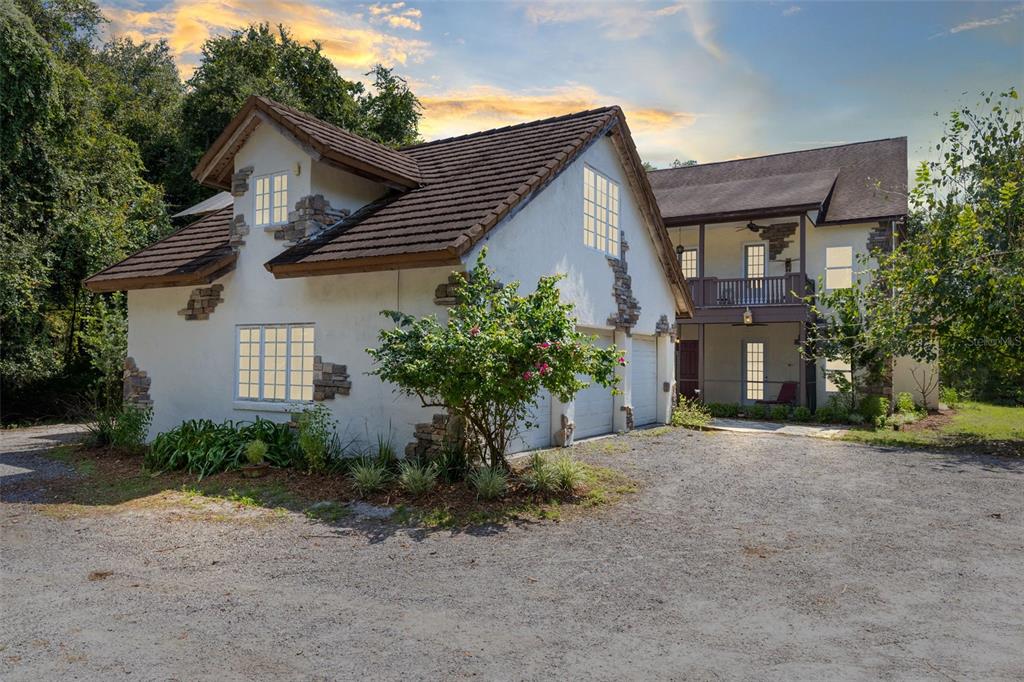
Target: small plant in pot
{"type": "Point", "coordinates": [255, 454]}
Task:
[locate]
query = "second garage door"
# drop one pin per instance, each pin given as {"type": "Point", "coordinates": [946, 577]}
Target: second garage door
{"type": "Point", "coordinates": [539, 436]}
{"type": "Point", "coordinates": [645, 381]}
{"type": "Point", "coordinates": [594, 406]}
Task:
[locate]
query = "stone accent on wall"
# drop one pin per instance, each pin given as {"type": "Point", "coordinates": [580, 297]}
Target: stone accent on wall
{"type": "Point", "coordinates": [444, 294]}
{"type": "Point", "coordinates": [628, 409]}
{"type": "Point", "coordinates": [664, 326]}
{"type": "Point", "coordinates": [202, 302]}
{"type": "Point", "coordinates": [312, 215]}
{"type": "Point", "coordinates": [627, 307]}
{"type": "Point", "coordinates": [880, 238]}
{"type": "Point", "coordinates": [563, 438]}
{"type": "Point", "coordinates": [240, 181]}
{"type": "Point", "coordinates": [135, 384]}
{"type": "Point", "coordinates": [779, 236]}
{"type": "Point", "coordinates": [237, 231]}
{"type": "Point", "coordinates": [428, 438]}
{"type": "Point", "coordinates": [329, 379]}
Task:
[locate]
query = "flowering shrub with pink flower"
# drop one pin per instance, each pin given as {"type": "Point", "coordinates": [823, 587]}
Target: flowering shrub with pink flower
{"type": "Point", "coordinates": [498, 350]}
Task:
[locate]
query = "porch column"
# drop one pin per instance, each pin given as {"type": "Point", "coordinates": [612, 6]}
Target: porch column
{"type": "Point", "coordinates": [666, 376]}
{"type": "Point", "coordinates": [700, 265]}
{"type": "Point", "coordinates": [622, 403]}
{"type": "Point", "coordinates": [802, 365]}
{"type": "Point", "coordinates": [803, 254]}
{"type": "Point", "coordinates": [700, 361]}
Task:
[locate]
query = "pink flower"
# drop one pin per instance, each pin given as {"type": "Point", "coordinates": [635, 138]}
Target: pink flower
{"type": "Point", "coordinates": [474, 331]}
{"type": "Point", "coordinates": [621, 360]}
{"type": "Point", "coordinates": [543, 367]}
{"type": "Point", "coordinates": [544, 345]}
{"type": "Point", "coordinates": [527, 375]}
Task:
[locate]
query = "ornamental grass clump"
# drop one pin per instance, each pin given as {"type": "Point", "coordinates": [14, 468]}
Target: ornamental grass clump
{"type": "Point", "coordinates": [571, 474]}
{"type": "Point", "coordinates": [368, 476]}
{"type": "Point", "coordinates": [489, 482]}
{"type": "Point", "coordinates": [540, 476]}
{"type": "Point", "coordinates": [417, 478]}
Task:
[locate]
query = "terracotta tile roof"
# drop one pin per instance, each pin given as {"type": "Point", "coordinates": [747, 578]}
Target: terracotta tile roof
{"type": "Point", "coordinates": [469, 184]}
{"type": "Point", "coordinates": [195, 254]}
{"type": "Point", "coordinates": [323, 140]}
{"type": "Point", "coordinates": [870, 182]}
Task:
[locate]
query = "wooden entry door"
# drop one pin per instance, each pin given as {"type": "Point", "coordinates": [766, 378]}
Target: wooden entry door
{"type": "Point", "coordinates": [689, 357]}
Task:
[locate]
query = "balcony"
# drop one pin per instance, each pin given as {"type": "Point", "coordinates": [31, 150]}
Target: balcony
{"type": "Point", "coordinates": [779, 298]}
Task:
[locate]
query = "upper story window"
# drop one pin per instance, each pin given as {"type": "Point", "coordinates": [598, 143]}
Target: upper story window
{"type": "Point", "coordinates": [271, 199]}
{"type": "Point", "coordinates": [838, 267]}
{"type": "Point", "coordinates": [754, 258]}
{"type": "Point", "coordinates": [835, 369]}
{"type": "Point", "coordinates": [275, 362]}
{"type": "Point", "coordinates": [688, 262]}
{"type": "Point", "coordinates": [600, 212]}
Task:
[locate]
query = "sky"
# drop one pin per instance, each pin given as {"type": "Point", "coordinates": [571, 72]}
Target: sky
{"type": "Point", "coordinates": [703, 81]}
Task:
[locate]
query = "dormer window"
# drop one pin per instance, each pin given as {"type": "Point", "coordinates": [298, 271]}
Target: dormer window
{"type": "Point", "coordinates": [271, 199]}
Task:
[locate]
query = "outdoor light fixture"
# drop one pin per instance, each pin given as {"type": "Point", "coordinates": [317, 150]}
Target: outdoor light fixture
{"type": "Point", "coordinates": [748, 317]}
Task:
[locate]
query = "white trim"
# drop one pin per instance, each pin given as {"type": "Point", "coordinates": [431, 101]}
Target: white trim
{"type": "Point", "coordinates": [763, 244]}
{"type": "Point", "coordinates": [743, 369]}
{"type": "Point", "coordinates": [272, 184]}
{"type": "Point", "coordinates": [839, 268]}
{"type": "Point", "coordinates": [275, 406]}
{"type": "Point", "coordinates": [615, 252]}
{"type": "Point", "coordinates": [241, 402]}
{"type": "Point", "coordinates": [696, 261]}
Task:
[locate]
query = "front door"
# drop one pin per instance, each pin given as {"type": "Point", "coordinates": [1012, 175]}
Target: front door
{"type": "Point", "coordinates": [689, 356]}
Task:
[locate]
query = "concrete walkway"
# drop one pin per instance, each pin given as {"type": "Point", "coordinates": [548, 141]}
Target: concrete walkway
{"type": "Point", "coordinates": [776, 428]}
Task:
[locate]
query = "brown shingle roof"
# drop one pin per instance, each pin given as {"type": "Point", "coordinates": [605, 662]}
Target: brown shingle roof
{"type": "Point", "coordinates": [470, 183]}
{"type": "Point", "coordinates": [195, 254]}
{"type": "Point", "coordinates": [324, 141]}
{"type": "Point", "coordinates": [870, 182]}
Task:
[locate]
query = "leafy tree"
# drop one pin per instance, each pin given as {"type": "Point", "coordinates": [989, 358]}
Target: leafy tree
{"type": "Point", "coordinates": [953, 286]}
{"type": "Point", "coordinates": [491, 359]}
{"type": "Point", "coordinates": [676, 163]}
{"type": "Point", "coordinates": [391, 113]}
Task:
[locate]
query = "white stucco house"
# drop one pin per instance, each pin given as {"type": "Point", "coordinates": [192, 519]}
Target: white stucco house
{"type": "Point", "coordinates": [270, 299]}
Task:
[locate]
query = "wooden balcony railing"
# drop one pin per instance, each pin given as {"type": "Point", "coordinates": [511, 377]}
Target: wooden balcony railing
{"type": "Point", "coordinates": [741, 292]}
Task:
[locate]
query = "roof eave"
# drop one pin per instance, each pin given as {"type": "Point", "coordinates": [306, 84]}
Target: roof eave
{"type": "Point", "coordinates": [207, 274]}
{"type": "Point", "coordinates": [427, 259]}
{"type": "Point", "coordinates": [731, 216]}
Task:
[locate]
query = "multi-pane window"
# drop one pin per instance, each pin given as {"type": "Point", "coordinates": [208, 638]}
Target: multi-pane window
{"type": "Point", "coordinates": [753, 261]}
{"type": "Point", "coordinates": [753, 370]}
{"type": "Point", "coordinates": [600, 212]}
{"type": "Point", "coordinates": [688, 262]}
{"type": "Point", "coordinates": [838, 267]}
{"type": "Point", "coordinates": [275, 362]}
{"type": "Point", "coordinates": [834, 367]}
{"type": "Point", "coordinates": [271, 199]}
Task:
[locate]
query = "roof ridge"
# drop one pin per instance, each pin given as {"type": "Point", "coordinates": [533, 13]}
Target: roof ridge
{"type": "Point", "coordinates": [300, 112]}
{"type": "Point", "coordinates": [768, 156]}
{"type": "Point", "coordinates": [514, 126]}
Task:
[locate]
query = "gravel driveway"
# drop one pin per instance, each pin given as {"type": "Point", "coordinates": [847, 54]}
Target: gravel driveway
{"type": "Point", "coordinates": [741, 557]}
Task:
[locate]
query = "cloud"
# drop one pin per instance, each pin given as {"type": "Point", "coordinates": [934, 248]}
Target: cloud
{"type": "Point", "coordinates": [483, 106]}
{"type": "Point", "coordinates": [396, 15]}
{"type": "Point", "coordinates": [791, 10]}
{"type": "Point", "coordinates": [1007, 16]}
{"type": "Point", "coordinates": [628, 21]}
{"type": "Point", "coordinates": [347, 39]}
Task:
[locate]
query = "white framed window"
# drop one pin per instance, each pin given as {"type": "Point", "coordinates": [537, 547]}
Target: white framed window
{"type": "Point", "coordinates": [832, 367]}
{"type": "Point", "coordinates": [754, 258]}
{"type": "Point", "coordinates": [838, 267]}
{"type": "Point", "coordinates": [600, 212]}
{"type": "Point", "coordinates": [688, 262]}
{"type": "Point", "coordinates": [271, 199]}
{"type": "Point", "coordinates": [275, 362]}
{"type": "Point", "coordinates": [753, 370]}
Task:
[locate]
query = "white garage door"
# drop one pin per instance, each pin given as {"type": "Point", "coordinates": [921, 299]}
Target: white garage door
{"type": "Point", "coordinates": [594, 406]}
{"type": "Point", "coordinates": [539, 436]}
{"type": "Point", "coordinates": [645, 381]}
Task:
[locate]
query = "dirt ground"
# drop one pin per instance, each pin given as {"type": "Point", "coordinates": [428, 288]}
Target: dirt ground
{"type": "Point", "coordinates": [741, 557]}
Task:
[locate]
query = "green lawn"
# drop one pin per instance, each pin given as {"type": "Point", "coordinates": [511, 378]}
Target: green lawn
{"type": "Point", "coordinates": [971, 424]}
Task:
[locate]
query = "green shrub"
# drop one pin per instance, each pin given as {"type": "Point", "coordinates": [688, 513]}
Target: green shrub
{"type": "Point", "coordinates": [905, 403]}
{"type": "Point", "coordinates": [386, 454]}
{"type": "Point", "coordinates": [755, 411]}
{"type": "Point", "coordinates": [570, 473]}
{"type": "Point", "coordinates": [801, 414]}
{"type": "Point", "coordinates": [690, 413]}
{"type": "Point", "coordinates": [316, 429]}
{"type": "Point", "coordinates": [824, 415]}
{"type": "Point", "coordinates": [780, 412]}
{"type": "Point", "coordinates": [856, 418]}
{"type": "Point", "coordinates": [368, 475]}
{"type": "Point", "coordinates": [723, 409]}
{"type": "Point", "coordinates": [131, 427]}
{"type": "Point", "coordinates": [255, 451]}
{"type": "Point", "coordinates": [202, 447]}
{"type": "Point", "coordinates": [452, 464]}
{"type": "Point", "coordinates": [949, 397]}
{"type": "Point", "coordinates": [871, 407]}
{"type": "Point", "coordinates": [489, 482]}
{"type": "Point", "coordinates": [417, 478]}
{"type": "Point", "coordinates": [540, 476]}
